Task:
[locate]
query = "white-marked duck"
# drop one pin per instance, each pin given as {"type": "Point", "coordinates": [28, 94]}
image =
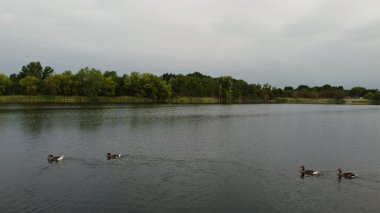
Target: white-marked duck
{"type": "Point", "coordinates": [347, 175]}
{"type": "Point", "coordinates": [113, 156]}
{"type": "Point", "coordinates": [308, 172]}
{"type": "Point", "coordinates": [52, 158]}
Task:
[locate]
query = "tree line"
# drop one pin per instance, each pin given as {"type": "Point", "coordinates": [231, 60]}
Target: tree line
{"type": "Point", "coordinates": [34, 79]}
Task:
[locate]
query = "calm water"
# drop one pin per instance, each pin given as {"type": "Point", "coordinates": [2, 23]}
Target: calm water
{"type": "Point", "coordinates": [201, 158]}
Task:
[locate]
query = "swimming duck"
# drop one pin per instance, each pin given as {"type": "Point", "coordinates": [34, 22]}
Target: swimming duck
{"type": "Point", "coordinates": [308, 172]}
{"type": "Point", "coordinates": [345, 174]}
{"type": "Point", "coordinates": [113, 156]}
{"type": "Point", "coordinates": [52, 158]}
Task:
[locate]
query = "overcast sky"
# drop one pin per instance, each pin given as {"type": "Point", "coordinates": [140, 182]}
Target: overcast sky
{"type": "Point", "coordinates": [281, 42]}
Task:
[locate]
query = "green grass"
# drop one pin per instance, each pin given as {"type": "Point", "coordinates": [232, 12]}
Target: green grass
{"type": "Point", "coordinates": [347, 101]}
{"type": "Point", "coordinates": [116, 100]}
{"type": "Point", "coordinates": [71, 99]}
{"type": "Point", "coordinates": [360, 102]}
{"type": "Point", "coordinates": [193, 100]}
{"type": "Point", "coordinates": [308, 101]}
{"type": "Point", "coordinates": [177, 100]}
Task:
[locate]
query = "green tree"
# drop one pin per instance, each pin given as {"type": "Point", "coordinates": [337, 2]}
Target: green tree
{"type": "Point", "coordinates": [65, 82]}
{"type": "Point", "coordinates": [147, 85]}
{"type": "Point", "coordinates": [133, 85]}
{"type": "Point", "coordinates": [266, 92]}
{"type": "Point", "coordinates": [303, 91]}
{"type": "Point", "coordinates": [109, 86]}
{"type": "Point", "coordinates": [47, 72]}
{"type": "Point", "coordinates": [15, 88]}
{"type": "Point", "coordinates": [178, 85]}
{"type": "Point", "coordinates": [278, 92]}
{"type": "Point", "coordinates": [377, 95]}
{"type": "Point", "coordinates": [225, 89]}
{"type": "Point", "coordinates": [357, 92]}
{"type": "Point", "coordinates": [35, 69]}
{"type": "Point", "coordinates": [52, 85]}
{"type": "Point", "coordinates": [32, 69]}
{"type": "Point", "coordinates": [193, 85]}
{"type": "Point", "coordinates": [254, 92]}
{"type": "Point", "coordinates": [370, 96]}
{"type": "Point", "coordinates": [111, 74]}
{"type": "Point", "coordinates": [29, 84]}
{"type": "Point", "coordinates": [239, 90]}
{"type": "Point", "coordinates": [289, 92]}
{"type": "Point", "coordinates": [119, 82]}
{"type": "Point", "coordinates": [154, 87]}
{"type": "Point", "coordinates": [5, 84]}
{"type": "Point", "coordinates": [328, 91]}
{"type": "Point", "coordinates": [88, 82]}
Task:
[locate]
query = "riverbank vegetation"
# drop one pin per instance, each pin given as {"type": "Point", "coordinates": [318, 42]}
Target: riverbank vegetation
{"type": "Point", "coordinates": [35, 83]}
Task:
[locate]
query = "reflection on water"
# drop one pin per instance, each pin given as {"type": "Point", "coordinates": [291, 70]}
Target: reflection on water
{"type": "Point", "coordinates": [35, 120]}
{"type": "Point", "coordinates": [32, 122]}
{"type": "Point", "coordinates": [90, 120]}
{"type": "Point", "coordinates": [202, 158]}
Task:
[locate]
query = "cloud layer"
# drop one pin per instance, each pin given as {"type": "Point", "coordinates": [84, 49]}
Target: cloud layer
{"type": "Point", "coordinates": [280, 42]}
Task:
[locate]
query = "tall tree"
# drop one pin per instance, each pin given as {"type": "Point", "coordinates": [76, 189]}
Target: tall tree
{"type": "Point", "coordinates": [47, 72]}
{"type": "Point", "coordinates": [109, 86]}
{"type": "Point", "coordinates": [88, 82]}
{"type": "Point", "coordinates": [51, 85]}
{"type": "Point", "coordinates": [5, 84]}
{"type": "Point", "coordinates": [147, 85]}
{"type": "Point", "coordinates": [133, 85]}
{"type": "Point", "coordinates": [32, 69]}
{"type": "Point", "coordinates": [29, 84]}
{"type": "Point", "coordinates": [357, 92]}
{"type": "Point", "coordinates": [225, 89]}
{"type": "Point", "coordinates": [66, 82]}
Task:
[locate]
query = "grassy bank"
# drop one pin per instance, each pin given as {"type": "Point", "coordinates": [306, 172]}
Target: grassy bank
{"type": "Point", "coordinates": [72, 99]}
{"type": "Point", "coordinates": [361, 102]}
{"type": "Point", "coordinates": [179, 100]}
{"type": "Point", "coordinates": [347, 101]}
{"type": "Point", "coordinates": [309, 101]}
{"type": "Point", "coordinates": [103, 100]}
{"type": "Point", "coordinates": [193, 100]}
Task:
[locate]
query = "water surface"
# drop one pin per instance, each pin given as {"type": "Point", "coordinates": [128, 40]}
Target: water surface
{"type": "Point", "coordinates": [189, 158]}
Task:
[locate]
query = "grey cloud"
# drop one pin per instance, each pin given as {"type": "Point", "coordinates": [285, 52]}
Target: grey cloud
{"type": "Point", "coordinates": [280, 42]}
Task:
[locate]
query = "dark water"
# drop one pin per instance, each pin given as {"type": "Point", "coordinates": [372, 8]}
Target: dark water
{"type": "Point", "coordinates": [206, 158]}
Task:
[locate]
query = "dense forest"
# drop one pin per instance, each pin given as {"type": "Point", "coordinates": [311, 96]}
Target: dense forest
{"type": "Point", "coordinates": [34, 79]}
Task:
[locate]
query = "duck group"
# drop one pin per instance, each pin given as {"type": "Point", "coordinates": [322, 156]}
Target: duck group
{"type": "Point", "coordinates": [303, 171]}
{"type": "Point", "coordinates": [341, 174]}
{"type": "Point", "coordinates": [52, 158]}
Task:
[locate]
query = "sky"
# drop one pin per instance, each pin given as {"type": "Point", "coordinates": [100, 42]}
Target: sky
{"type": "Point", "coordinates": [280, 42]}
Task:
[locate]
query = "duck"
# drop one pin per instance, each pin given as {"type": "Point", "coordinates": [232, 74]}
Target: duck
{"type": "Point", "coordinates": [113, 156]}
{"type": "Point", "coordinates": [347, 175]}
{"type": "Point", "coordinates": [52, 158]}
{"type": "Point", "coordinates": [308, 172]}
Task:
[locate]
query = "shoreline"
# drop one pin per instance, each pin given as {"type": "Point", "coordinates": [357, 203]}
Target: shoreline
{"type": "Point", "coordinates": [179, 100]}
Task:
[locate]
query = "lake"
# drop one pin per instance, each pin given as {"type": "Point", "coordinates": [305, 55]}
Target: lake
{"type": "Point", "coordinates": [189, 158]}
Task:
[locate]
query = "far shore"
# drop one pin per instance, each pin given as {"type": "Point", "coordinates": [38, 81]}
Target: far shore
{"type": "Point", "coordinates": [346, 101]}
{"type": "Point", "coordinates": [178, 100]}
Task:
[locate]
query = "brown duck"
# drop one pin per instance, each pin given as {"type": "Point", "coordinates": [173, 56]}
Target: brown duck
{"type": "Point", "coordinates": [348, 175]}
{"type": "Point", "coordinates": [308, 172]}
{"type": "Point", "coordinates": [113, 156]}
{"type": "Point", "coordinates": [52, 158]}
